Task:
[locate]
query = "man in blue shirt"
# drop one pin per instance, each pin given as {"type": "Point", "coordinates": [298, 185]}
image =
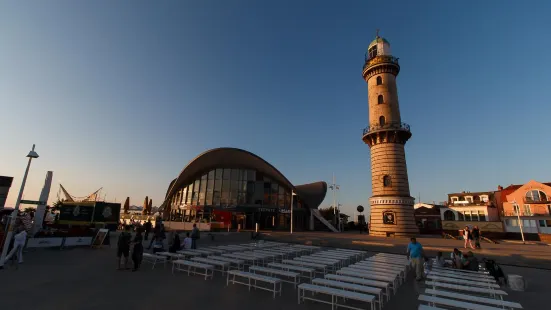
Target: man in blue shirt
{"type": "Point", "coordinates": [415, 252]}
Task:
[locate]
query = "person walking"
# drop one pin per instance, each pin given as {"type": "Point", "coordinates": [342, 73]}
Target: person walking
{"type": "Point", "coordinates": [147, 227]}
{"type": "Point", "coordinates": [123, 247]}
{"type": "Point", "coordinates": [467, 236]}
{"type": "Point", "coordinates": [476, 236]}
{"type": "Point", "coordinates": [415, 253]}
{"type": "Point", "coordinates": [137, 250]}
{"type": "Point", "coordinates": [18, 244]}
{"type": "Point", "coordinates": [194, 236]}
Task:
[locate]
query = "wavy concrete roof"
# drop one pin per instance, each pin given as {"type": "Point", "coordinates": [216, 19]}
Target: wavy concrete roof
{"type": "Point", "coordinates": [312, 194]}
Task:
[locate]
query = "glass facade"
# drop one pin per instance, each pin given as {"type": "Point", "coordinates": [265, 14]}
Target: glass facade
{"type": "Point", "coordinates": [228, 188]}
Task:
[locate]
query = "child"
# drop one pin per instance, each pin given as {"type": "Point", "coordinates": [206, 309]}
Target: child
{"type": "Point", "coordinates": [158, 244]}
{"type": "Point", "coordinates": [187, 242]}
{"type": "Point", "coordinates": [440, 262]}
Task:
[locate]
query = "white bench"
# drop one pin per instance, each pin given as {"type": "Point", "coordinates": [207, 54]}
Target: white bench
{"type": "Point", "coordinates": [454, 303]}
{"type": "Point", "coordinates": [352, 287]}
{"type": "Point", "coordinates": [331, 264]}
{"type": "Point", "coordinates": [366, 282]}
{"type": "Point", "coordinates": [254, 277]}
{"type": "Point", "coordinates": [270, 272]}
{"type": "Point", "coordinates": [470, 289]}
{"type": "Point", "coordinates": [249, 260]}
{"type": "Point", "coordinates": [192, 268]}
{"type": "Point", "coordinates": [321, 267]}
{"type": "Point", "coordinates": [344, 259]}
{"type": "Point", "coordinates": [202, 252]}
{"type": "Point", "coordinates": [335, 294]}
{"type": "Point", "coordinates": [427, 307]}
{"type": "Point", "coordinates": [462, 276]}
{"type": "Point", "coordinates": [188, 253]}
{"type": "Point", "coordinates": [170, 255]}
{"type": "Point", "coordinates": [459, 270]}
{"type": "Point", "coordinates": [366, 275]}
{"type": "Point", "coordinates": [239, 263]}
{"type": "Point", "coordinates": [223, 267]}
{"type": "Point", "coordinates": [471, 298]}
{"type": "Point", "coordinates": [154, 259]}
{"type": "Point", "coordinates": [380, 271]}
{"type": "Point", "coordinates": [462, 281]}
{"type": "Point", "coordinates": [402, 269]}
{"type": "Point", "coordinates": [362, 254]}
{"type": "Point", "coordinates": [305, 272]}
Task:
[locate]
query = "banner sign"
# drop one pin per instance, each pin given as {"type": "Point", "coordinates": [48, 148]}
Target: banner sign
{"type": "Point", "coordinates": [44, 242]}
{"type": "Point", "coordinates": [107, 212]}
{"type": "Point", "coordinates": [75, 214]}
{"type": "Point", "coordinates": [77, 241]}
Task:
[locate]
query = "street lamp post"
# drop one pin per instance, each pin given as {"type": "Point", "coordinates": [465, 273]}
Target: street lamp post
{"type": "Point", "coordinates": [517, 209]}
{"type": "Point", "coordinates": [292, 194]}
{"type": "Point", "coordinates": [11, 220]}
{"type": "Point", "coordinates": [334, 187]}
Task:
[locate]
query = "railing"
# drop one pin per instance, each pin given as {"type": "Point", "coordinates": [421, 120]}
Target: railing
{"type": "Point", "coordinates": [531, 200]}
{"type": "Point", "coordinates": [521, 214]}
{"type": "Point", "coordinates": [380, 59]}
{"type": "Point", "coordinates": [391, 125]}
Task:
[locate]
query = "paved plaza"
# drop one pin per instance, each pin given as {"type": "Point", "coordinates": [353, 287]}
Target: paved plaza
{"type": "Point", "coordinates": [86, 278]}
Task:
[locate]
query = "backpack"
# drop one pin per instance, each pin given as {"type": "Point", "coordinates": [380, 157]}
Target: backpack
{"type": "Point", "coordinates": [495, 270]}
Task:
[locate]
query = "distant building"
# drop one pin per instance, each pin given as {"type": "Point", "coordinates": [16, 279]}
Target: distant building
{"type": "Point", "coordinates": [428, 218]}
{"type": "Point", "coordinates": [531, 202]}
{"type": "Point", "coordinates": [471, 206]}
{"type": "Point", "coordinates": [5, 184]}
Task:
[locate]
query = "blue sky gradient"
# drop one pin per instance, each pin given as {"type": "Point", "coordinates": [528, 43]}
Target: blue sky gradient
{"type": "Point", "coordinates": [123, 94]}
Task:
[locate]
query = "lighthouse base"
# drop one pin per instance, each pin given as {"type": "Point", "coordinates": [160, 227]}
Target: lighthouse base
{"type": "Point", "coordinates": [392, 216]}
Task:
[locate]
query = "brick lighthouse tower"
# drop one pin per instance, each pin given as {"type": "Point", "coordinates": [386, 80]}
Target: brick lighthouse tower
{"type": "Point", "coordinates": [386, 135]}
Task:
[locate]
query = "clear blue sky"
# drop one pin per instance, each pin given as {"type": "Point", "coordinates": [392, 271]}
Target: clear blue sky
{"type": "Point", "coordinates": [123, 94]}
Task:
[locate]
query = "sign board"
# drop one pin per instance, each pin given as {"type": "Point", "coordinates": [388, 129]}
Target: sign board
{"type": "Point", "coordinates": [77, 241]}
{"type": "Point", "coordinates": [76, 214]}
{"type": "Point", "coordinates": [44, 242]}
{"type": "Point", "coordinates": [100, 237]}
{"type": "Point", "coordinates": [107, 212]}
{"type": "Point", "coordinates": [389, 217]}
{"type": "Point", "coordinates": [33, 202]}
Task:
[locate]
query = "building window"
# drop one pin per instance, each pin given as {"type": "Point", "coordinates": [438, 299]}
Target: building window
{"type": "Point", "coordinates": [467, 215]}
{"type": "Point", "coordinates": [527, 210]}
{"type": "Point", "coordinates": [535, 195]}
{"type": "Point", "coordinates": [379, 80]}
{"type": "Point", "coordinates": [382, 121]}
{"type": "Point", "coordinates": [469, 199]}
{"type": "Point", "coordinates": [516, 209]}
{"type": "Point", "coordinates": [484, 198]}
{"type": "Point", "coordinates": [449, 215]}
{"type": "Point", "coordinates": [387, 182]}
{"type": "Point", "coordinates": [474, 216]}
{"type": "Point", "coordinates": [454, 199]}
{"type": "Point", "coordinates": [460, 216]}
{"type": "Point", "coordinates": [380, 99]}
{"type": "Point", "coordinates": [372, 52]}
{"type": "Point", "coordinates": [481, 216]}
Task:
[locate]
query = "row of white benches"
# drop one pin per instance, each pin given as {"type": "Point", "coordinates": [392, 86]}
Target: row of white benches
{"type": "Point", "coordinates": [464, 289]}
{"type": "Point", "coordinates": [366, 281]}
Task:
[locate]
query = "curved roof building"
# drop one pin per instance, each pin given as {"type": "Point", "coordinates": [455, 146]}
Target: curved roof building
{"type": "Point", "coordinates": [233, 186]}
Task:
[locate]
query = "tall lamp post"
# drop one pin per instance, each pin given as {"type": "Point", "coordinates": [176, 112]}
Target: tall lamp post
{"type": "Point", "coordinates": [517, 210]}
{"type": "Point", "coordinates": [334, 187]}
{"type": "Point", "coordinates": [292, 194]}
{"type": "Point", "coordinates": [11, 220]}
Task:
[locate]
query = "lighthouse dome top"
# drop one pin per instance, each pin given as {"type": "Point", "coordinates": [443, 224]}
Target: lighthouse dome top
{"type": "Point", "coordinates": [378, 40]}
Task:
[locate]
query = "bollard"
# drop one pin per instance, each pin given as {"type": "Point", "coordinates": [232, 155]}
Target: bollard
{"type": "Point", "coordinates": [256, 228]}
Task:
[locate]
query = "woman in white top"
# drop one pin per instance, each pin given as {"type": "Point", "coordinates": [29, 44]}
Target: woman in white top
{"type": "Point", "coordinates": [467, 237]}
{"type": "Point", "coordinates": [18, 243]}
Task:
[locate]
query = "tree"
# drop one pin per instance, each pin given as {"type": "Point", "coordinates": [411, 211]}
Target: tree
{"type": "Point", "coordinates": [57, 205]}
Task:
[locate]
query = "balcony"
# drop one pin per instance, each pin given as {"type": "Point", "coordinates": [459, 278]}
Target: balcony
{"type": "Point", "coordinates": [381, 59]}
{"type": "Point", "coordinates": [388, 126]}
{"type": "Point", "coordinates": [529, 200]}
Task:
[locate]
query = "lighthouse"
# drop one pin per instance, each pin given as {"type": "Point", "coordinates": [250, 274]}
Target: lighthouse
{"type": "Point", "coordinates": [386, 136]}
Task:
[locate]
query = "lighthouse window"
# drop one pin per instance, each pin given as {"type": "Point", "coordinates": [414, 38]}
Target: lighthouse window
{"type": "Point", "coordinates": [382, 121]}
{"type": "Point", "coordinates": [372, 52]}
{"type": "Point", "coordinates": [386, 181]}
{"type": "Point", "coordinates": [380, 99]}
{"type": "Point", "coordinates": [379, 80]}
